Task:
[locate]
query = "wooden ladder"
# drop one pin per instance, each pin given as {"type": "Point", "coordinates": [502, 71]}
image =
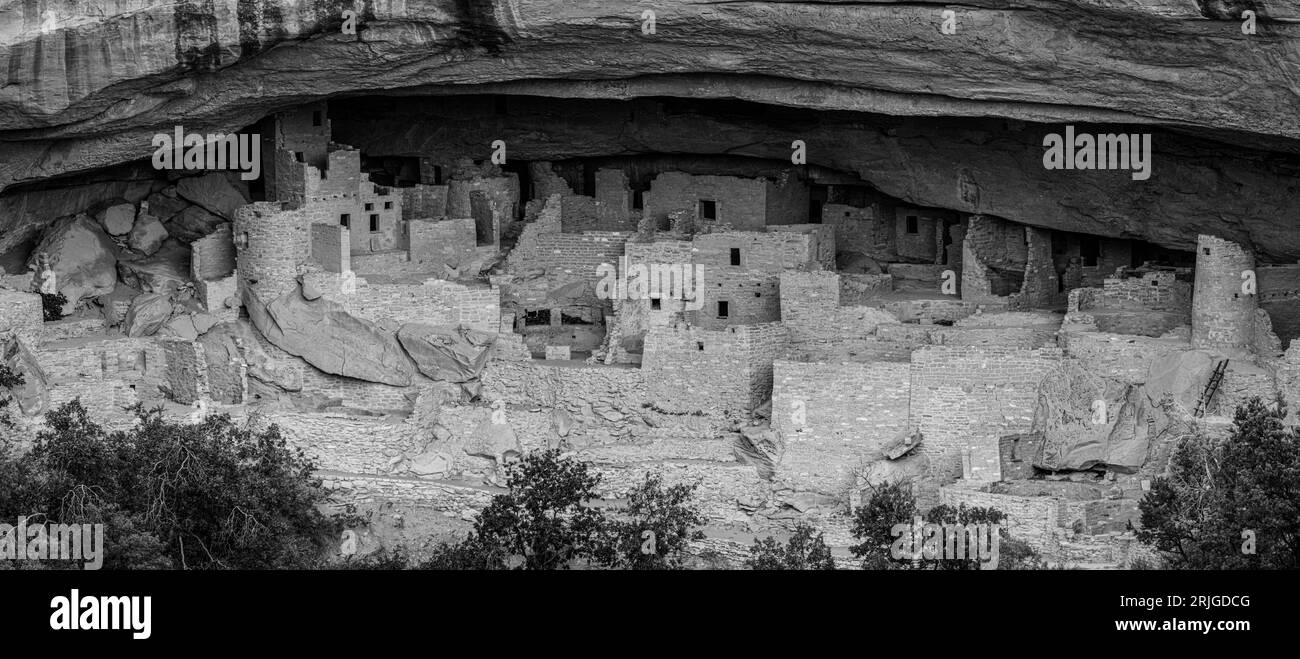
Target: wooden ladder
{"type": "Point", "coordinates": [1211, 387]}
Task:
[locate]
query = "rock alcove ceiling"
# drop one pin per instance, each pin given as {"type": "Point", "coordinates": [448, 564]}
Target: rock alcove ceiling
{"type": "Point", "coordinates": [874, 89]}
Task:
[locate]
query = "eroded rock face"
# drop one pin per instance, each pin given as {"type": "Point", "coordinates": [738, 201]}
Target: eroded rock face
{"type": "Point", "coordinates": [446, 353]}
{"type": "Point", "coordinates": [213, 192]}
{"type": "Point", "coordinates": [147, 235]}
{"type": "Point", "coordinates": [167, 269]}
{"type": "Point", "coordinates": [148, 313]}
{"type": "Point", "coordinates": [1136, 63]}
{"type": "Point", "coordinates": [331, 339]}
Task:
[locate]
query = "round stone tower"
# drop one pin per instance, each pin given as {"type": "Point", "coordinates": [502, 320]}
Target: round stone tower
{"type": "Point", "coordinates": [270, 244]}
{"type": "Point", "coordinates": [1223, 316]}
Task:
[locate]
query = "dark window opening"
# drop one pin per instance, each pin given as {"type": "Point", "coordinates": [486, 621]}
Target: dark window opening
{"type": "Point", "coordinates": [708, 209]}
{"type": "Point", "coordinates": [1089, 250]}
{"type": "Point", "coordinates": [636, 200]}
{"type": "Point", "coordinates": [723, 309]}
{"type": "Point", "coordinates": [370, 207]}
{"type": "Point", "coordinates": [566, 319]}
{"type": "Point", "coordinates": [374, 223]}
{"type": "Point", "coordinates": [815, 211]}
{"type": "Point", "coordinates": [316, 118]}
{"type": "Point", "coordinates": [539, 317]}
{"type": "Point", "coordinates": [656, 304]}
{"type": "Point", "coordinates": [388, 205]}
{"type": "Point", "coordinates": [1155, 282]}
{"type": "Point", "coordinates": [699, 345]}
{"type": "Point", "coordinates": [1015, 450]}
{"type": "Point", "coordinates": [1206, 251]}
{"type": "Point", "coordinates": [345, 220]}
{"type": "Point", "coordinates": [913, 226]}
{"type": "Point", "coordinates": [735, 256]}
{"type": "Point", "coordinates": [758, 295]}
{"type": "Point", "coordinates": [437, 174]}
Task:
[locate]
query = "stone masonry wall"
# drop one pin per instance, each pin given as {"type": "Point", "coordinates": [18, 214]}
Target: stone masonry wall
{"type": "Point", "coordinates": [435, 301]}
{"type": "Point", "coordinates": [966, 398]}
{"type": "Point", "coordinates": [741, 202]}
{"type": "Point", "coordinates": [213, 256]}
{"type": "Point", "coordinates": [832, 416]}
{"type": "Point", "coordinates": [1223, 318]}
{"type": "Point", "coordinates": [751, 297]}
{"type": "Point", "coordinates": [721, 371]}
{"type": "Point", "coordinates": [578, 254]}
{"type": "Point", "coordinates": [771, 251]}
{"type": "Point", "coordinates": [435, 243]}
{"type": "Point", "coordinates": [21, 313]}
{"type": "Point", "coordinates": [1031, 519]}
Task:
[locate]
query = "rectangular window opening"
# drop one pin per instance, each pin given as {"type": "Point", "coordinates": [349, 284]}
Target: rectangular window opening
{"type": "Point", "coordinates": [1089, 250]}
{"type": "Point", "coordinates": [708, 209]}
{"type": "Point", "coordinates": [723, 309]}
{"type": "Point", "coordinates": [735, 256]}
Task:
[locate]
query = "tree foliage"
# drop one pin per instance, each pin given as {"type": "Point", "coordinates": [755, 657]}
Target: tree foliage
{"type": "Point", "coordinates": [205, 496]}
{"type": "Point", "coordinates": [803, 551]}
{"type": "Point", "coordinates": [9, 379]}
{"type": "Point", "coordinates": [894, 503]}
{"type": "Point", "coordinates": [1220, 493]}
{"type": "Point", "coordinates": [52, 305]}
{"type": "Point", "coordinates": [551, 519]}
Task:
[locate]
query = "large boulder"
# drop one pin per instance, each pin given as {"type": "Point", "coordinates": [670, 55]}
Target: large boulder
{"type": "Point", "coordinates": [83, 257]}
{"type": "Point", "coordinates": [147, 235]}
{"type": "Point", "coordinates": [212, 191]}
{"type": "Point", "coordinates": [493, 440]}
{"type": "Point", "coordinates": [193, 223]}
{"type": "Point", "coordinates": [33, 395]}
{"type": "Point", "coordinates": [166, 270]}
{"type": "Point", "coordinates": [117, 218]}
{"type": "Point", "coordinates": [1180, 377]}
{"type": "Point", "coordinates": [906, 469]}
{"type": "Point", "coordinates": [165, 206]}
{"type": "Point", "coordinates": [331, 339]}
{"type": "Point", "coordinates": [148, 313]}
{"type": "Point", "coordinates": [451, 354]}
{"type": "Point", "coordinates": [1090, 422]}
{"type": "Point", "coordinates": [431, 464]}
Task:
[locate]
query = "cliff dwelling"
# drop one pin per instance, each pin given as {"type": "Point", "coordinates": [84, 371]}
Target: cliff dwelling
{"type": "Point", "coordinates": [789, 290]}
